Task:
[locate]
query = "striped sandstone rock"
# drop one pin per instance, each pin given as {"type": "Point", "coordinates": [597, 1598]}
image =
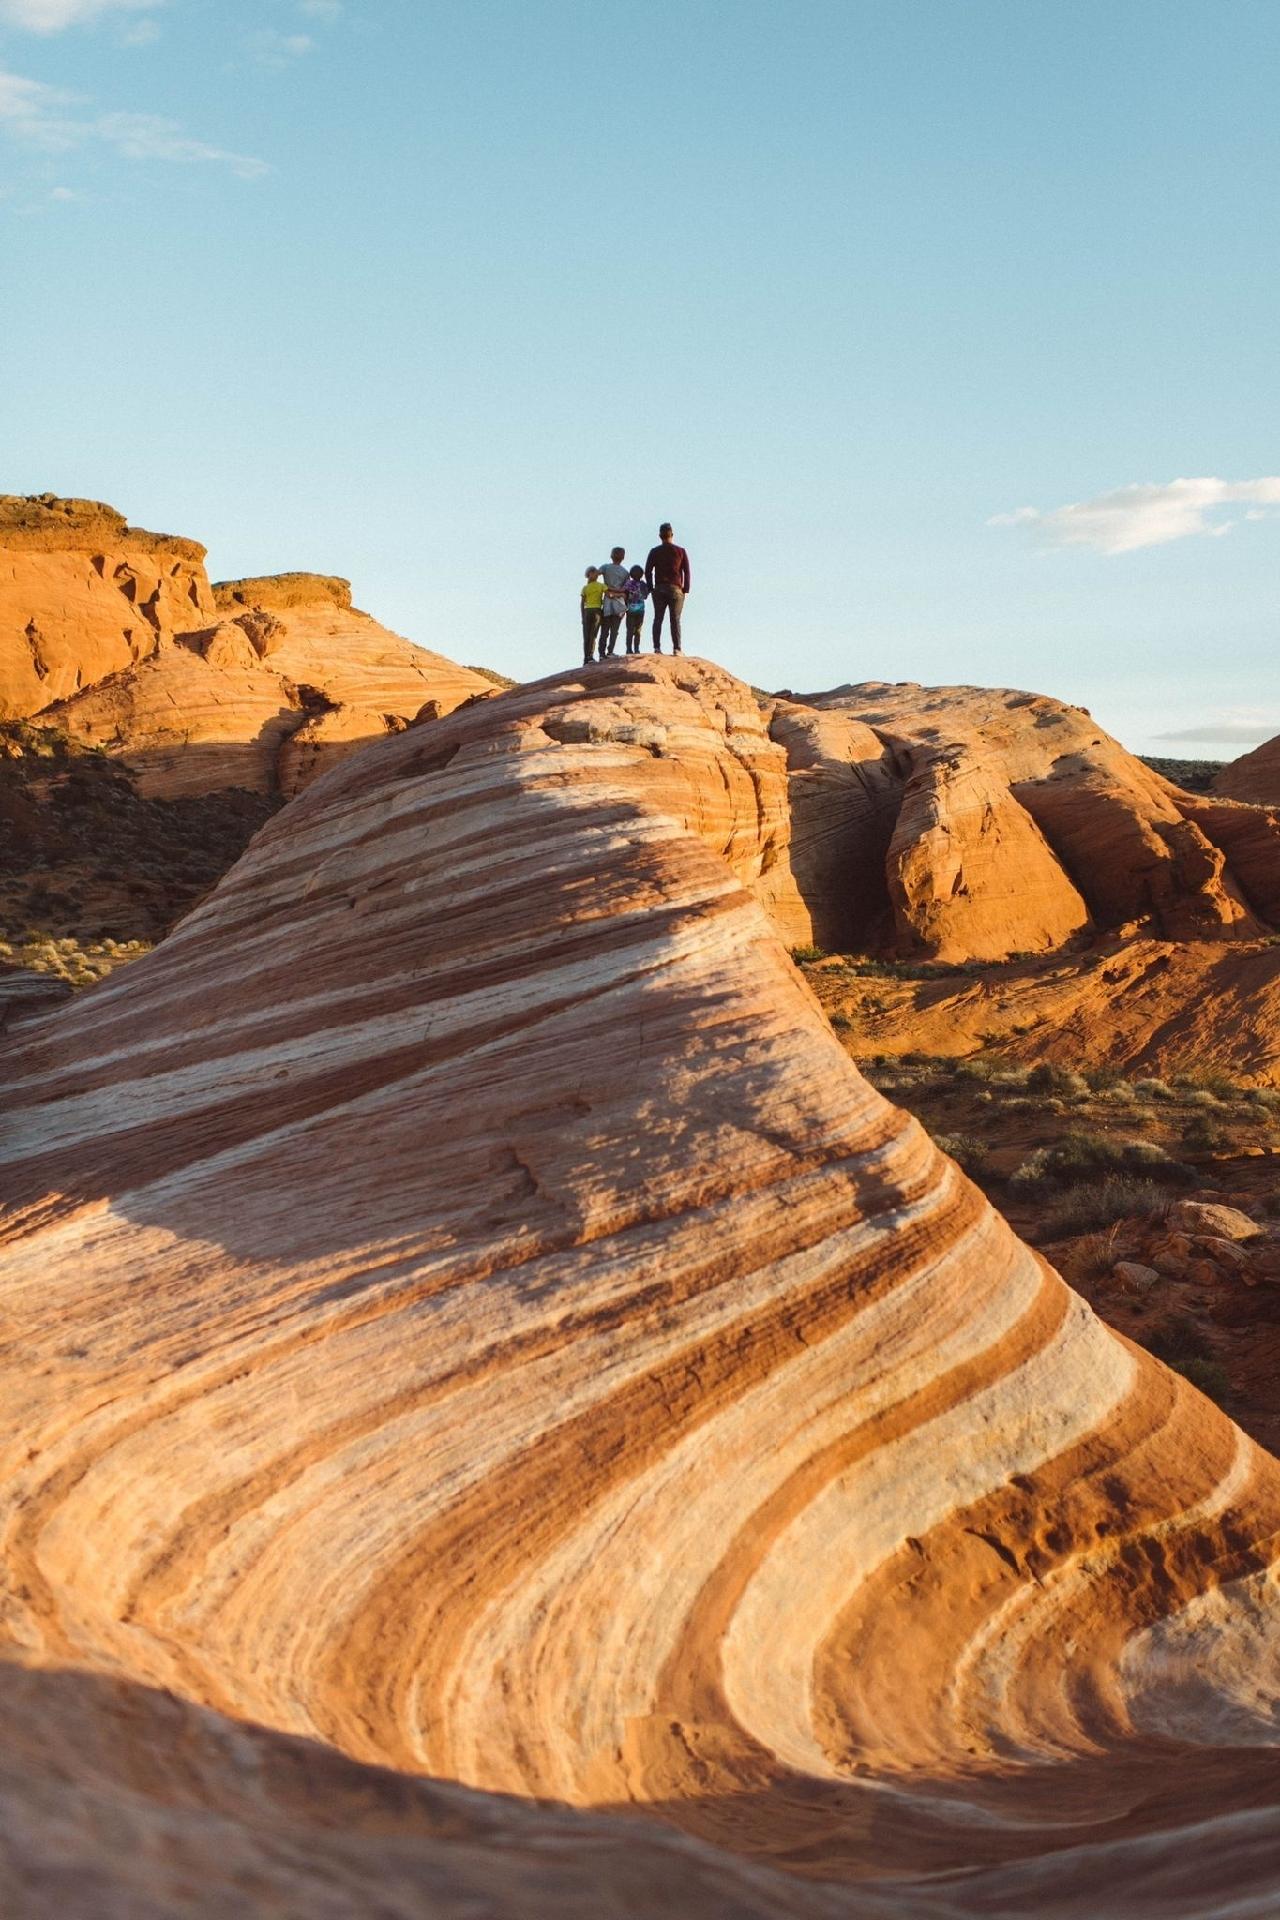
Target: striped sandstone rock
{"type": "Point", "coordinates": [465, 1312]}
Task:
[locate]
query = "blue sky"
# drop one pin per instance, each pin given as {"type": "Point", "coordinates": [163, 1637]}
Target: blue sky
{"type": "Point", "coordinates": [861, 296]}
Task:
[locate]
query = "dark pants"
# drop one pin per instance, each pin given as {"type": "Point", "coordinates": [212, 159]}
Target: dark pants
{"type": "Point", "coordinates": [667, 600]}
{"type": "Point", "coordinates": [590, 628]}
{"type": "Point", "coordinates": [635, 623]}
{"type": "Point", "coordinates": [609, 625]}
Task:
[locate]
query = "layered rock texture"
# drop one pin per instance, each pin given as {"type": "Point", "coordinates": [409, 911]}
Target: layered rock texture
{"type": "Point", "coordinates": [965, 823]}
{"type": "Point", "coordinates": [117, 638]}
{"type": "Point", "coordinates": [464, 1311]}
{"type": "Point", "coordinates": [1254, 776]}
{"type": "Point", "coordinates": [84, 595]}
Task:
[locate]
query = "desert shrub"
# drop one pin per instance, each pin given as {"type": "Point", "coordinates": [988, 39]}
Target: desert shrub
{"type": "Point", "coordinates": [1155, 1090]}
{"type": "Point", "coordinates": [841, 1022]}
{"type": "Point", "coordinates": [1200, 1097]}
{"type": "Point", "coordinates": [1209, 1376]}
{"type": "Point", "coordinates": [1048, 1078]}
{"type": "Point", "coordinates": [1182, 1345]}
{"type": "Point", "coordinates": [1120, 1093]}
{"type": "Point", "coordinates": [805, 956]}
{"type": "Point", "coordinates": [1219, 1084]}
{"type": "Point", "coordinates": [1204, 1135]}
{"type": "Point", "coordinates": [1082, 1154]}
{"type": "Point", "coordinates": [966, 1149]}
{"type": "Point", "coordinates": [980, 1066]}
{"type": "Point", "coordinates": [1088, 1205]}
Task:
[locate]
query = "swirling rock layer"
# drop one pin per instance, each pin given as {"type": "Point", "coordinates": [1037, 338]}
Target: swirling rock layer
{"type": "Point", "coordinates": [464, 1310]}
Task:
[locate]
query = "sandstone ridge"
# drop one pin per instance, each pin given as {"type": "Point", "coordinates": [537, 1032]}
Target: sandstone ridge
{"type": "Point", "coordinates": [1254, 776]}
{"type": "Point", "coordinates": [466, 1312]}
{"type": "Point", "coordinates": [963, 823]}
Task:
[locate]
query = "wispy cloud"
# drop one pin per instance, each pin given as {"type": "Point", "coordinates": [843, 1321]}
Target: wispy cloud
{"type": "Point", "coordinates": [51, 121]}
{"type": "Point", "coordinates": [270, 48]}
{"type": "Point", "coordinates": [1148, 514]}
{"type": "Point", "coordinates": [1230, 731]}
{"type": "Point", "coordinates": [321, 9]}
{"type": "Point", "coordinates": [52, 16]}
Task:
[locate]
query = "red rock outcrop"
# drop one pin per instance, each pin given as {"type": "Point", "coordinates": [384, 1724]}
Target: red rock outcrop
{"type": "Point", "coordinates": [1016, 822]}
{"type": "Point", "coordinates": [84, 595]}
{"type": "Point", "coordinates": [1254, 776]}
{"type": "Point", "coordinates": [1134, 1004]}
{"type": "Point", "coordinates": [287, 682]}
{"type": "Point", "coordinates": [463, 1309]}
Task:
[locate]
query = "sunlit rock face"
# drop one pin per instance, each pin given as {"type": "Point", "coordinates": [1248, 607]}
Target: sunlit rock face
{"type": "Point", "coordinates": [965, 823]}
{"type": "Point", "coordinates": [84, 595]}
{"type": "Point", "coordinates": [288, 679]}
{"type": "Point", "coordinates": [464, 1309]}
{"type": "Point", "coordinates": [1254, 776]}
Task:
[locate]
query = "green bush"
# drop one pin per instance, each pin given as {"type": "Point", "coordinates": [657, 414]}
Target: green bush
{"type": "Point", "coordinates": [1210, 1376]}
{"type": "Point", "coordinates": [966, 1149]}
{"type": "Point", "coordinates": [1081, 1154]}
{"type": "Point", "coordinates": [805, 956]}
{"type": "Point", "coordinates": [1048, 1078]}
{"type": "Point", "coordinates": [1203, 1135]}
{"type": "Point", "coordinates": [1087, 1205]}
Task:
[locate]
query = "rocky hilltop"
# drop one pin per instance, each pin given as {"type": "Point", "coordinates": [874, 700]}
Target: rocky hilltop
{"type": "Point", "coordinates": [117, 639]}
{"type": "Point", "coordinates": [466, 1313]}
{"type": "Point", "coordinates": [84, 595]}
{"type": "Point", "coordinates": [1254, 776]}
{"type": "Point", "coordinates": [973, 823]}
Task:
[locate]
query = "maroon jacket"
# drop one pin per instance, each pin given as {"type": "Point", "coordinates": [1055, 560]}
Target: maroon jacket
{"type": "Point", "coordinates": [667, 566]}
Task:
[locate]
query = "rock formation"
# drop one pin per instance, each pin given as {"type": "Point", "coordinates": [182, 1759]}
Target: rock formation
{"type": "Point", "coordinates": [117, 638]}
{"type": "Point", "coordinates": [464, 1310]}
{"type": "Point", "coordinates": [275, 692]}
{"type": "Point", "coordinates": [84, 595]}
{"type": "Point", "coordinates": [1254, 776]}
{"type": "Point", "coordinates": [978, 823]}
{"type": "Point", "coordinates": [1131, 1003]}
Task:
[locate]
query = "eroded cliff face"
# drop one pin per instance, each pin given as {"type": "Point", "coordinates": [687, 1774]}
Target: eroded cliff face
{"type": "Point", "coordinates": [116, 637]}
{"type": "Point", "coordinates": [84, 595]}
{"type": "Point", "coordinates": [1004, 823]}
{"type": "Point", "coordinates": [466, 1310]}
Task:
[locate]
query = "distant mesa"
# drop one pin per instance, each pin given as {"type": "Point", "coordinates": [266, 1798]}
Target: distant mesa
{"type": "Point", "coordinates": [116, 637]}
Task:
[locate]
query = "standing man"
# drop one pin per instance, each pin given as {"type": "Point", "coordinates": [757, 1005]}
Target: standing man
{"type": "Point", "coordinates": [667, 572]}
{"type": "Point", "coordinates": [614, 605]}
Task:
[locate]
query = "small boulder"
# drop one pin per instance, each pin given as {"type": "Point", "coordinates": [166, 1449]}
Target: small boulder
{"type": "Point", "coordinates": [1134, 1277]}
{"type": "Point", "coordinates": [1206, 1217]}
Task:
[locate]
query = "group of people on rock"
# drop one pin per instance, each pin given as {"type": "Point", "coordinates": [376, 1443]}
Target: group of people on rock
{"type": "Point", "coordinates": [615, 593]}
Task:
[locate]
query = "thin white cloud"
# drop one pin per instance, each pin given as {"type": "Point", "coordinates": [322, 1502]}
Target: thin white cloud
{"type": "Point", "coordinates": [321, 9]}
{"type": "Point", "coordinates": [141, 34]}
{"type": "Point", "coordinates": [273, 49]}
{"type": "Point", "coordinates": [45, 118]}
{"type": "Point", "coordinates": [149, 136]}
{"type": "Point", "coordinates": [53, 16]}
{"type": "Point", "coordinates": [1146, 515]}
{"type": "Point", "coordinates": [1235, 733]}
